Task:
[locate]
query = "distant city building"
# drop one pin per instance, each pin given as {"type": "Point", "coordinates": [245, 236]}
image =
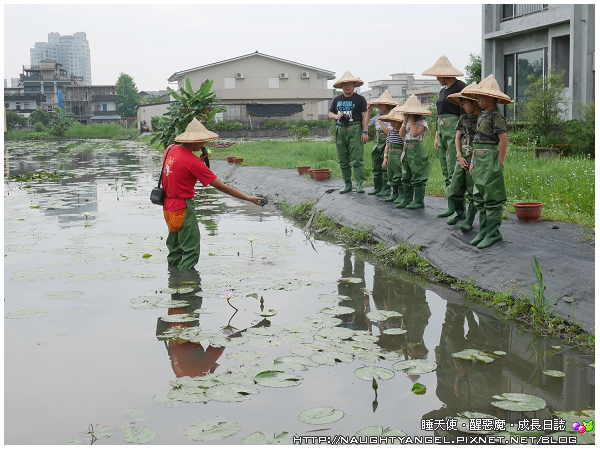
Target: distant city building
{"type": "Point", "coordinates": [401, 86]}
{"type": "Point", "coordinates": [72, 52]}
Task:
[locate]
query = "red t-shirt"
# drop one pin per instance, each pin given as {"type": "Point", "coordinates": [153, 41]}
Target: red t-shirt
{"type": "Point", "coordinates": [182, 170]}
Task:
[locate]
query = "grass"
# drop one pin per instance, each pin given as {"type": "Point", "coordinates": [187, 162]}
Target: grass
{"type": "Point", "coordinates": [80, 131]}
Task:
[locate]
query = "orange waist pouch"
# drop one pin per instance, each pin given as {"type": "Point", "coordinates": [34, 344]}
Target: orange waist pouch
{"type": "Point", "coordinates": [174, 219]}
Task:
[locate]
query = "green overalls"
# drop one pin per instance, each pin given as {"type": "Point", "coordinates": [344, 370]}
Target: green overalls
{"type": "Point", "coordinates": [446, 147]}
{"type": "Point", "coordinates": [415, 173]}
{"type": "Point", "coordinates": [380, 175]}
{"type": "Point", "coordinates": [350, 152]}
{"type": "Point", "coordinates": [184, 245]}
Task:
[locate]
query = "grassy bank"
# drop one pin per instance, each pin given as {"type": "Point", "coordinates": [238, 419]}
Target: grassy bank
{"type": "Point", "coordinates": [510, 304]}
{"type": "Point", "coordinates": [80, 131]}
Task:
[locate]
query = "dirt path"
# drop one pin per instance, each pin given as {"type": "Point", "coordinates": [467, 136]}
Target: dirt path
{"type": "Point", "coordinates": [565, 256]}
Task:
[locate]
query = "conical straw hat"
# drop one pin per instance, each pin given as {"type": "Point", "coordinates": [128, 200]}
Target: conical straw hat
{"type": "Point", "coordinates": [385, 99]}
{"type": "Point", "coordinates": [488, 86]}
{"type": "Point", "coordinates": [394, 114]}
{"type": "Point", "coordinates": [443, 68]}
{"type": "Point", "coordinates": [196, 132]}
{"type": "Point", "coordinates": [347, 78]}
{"type": "Point", "coordinates": [455, 98]}
{"type": "Point", "coordinates": [413, 106]}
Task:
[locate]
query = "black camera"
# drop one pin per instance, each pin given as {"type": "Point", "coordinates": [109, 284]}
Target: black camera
{"type": "Point", "coordinates": [345, 120]}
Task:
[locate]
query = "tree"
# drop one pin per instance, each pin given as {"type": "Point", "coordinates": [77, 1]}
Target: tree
{"type": "Point", "coordinates": [473, 69]}
{"type": "Point", "coordinates": [545, 105]}
{"type": "Point", "coordinates": [14, 118]}
{"type": "Point", "coordinates": [128, 96]}
{"type": "Point", "coordinates": [39, 116]}
{"type": "Point", "coordinates": [61, 121]}
{"type": "Point", "coordinates": [188, 104]}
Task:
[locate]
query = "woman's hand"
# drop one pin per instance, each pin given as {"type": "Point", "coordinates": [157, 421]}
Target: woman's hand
{"type": "Point", "coordinates": [464, 164]}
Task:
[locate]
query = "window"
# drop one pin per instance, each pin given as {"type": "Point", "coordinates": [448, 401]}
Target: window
{"type": "Point", "coordinates": [104, 107]}
{"type": "Point", "coordinates": [26, 105]}
{"type": "Point", "coordinates": [561, 57]}
{"type": "Point", "coordinates": [517, 68]}
{"type": "Point", "coordinates": [513, 11]}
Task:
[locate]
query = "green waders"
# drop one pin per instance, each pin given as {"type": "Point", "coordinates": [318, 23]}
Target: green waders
{"type": "Point", "coordinates": [461, 183]}
{"type": "Point", "coordinates": [184, 245]}
{"type": "Point", "coordinates": [489, 194]}
{"type": "Point", "coordinates": [395, 172]}
{"type": "Point", "coordinates": [415, 173]}
{"type": "Point", "coordinates": [386, 189]}
{"type": "Point", "coordinates": [379, 173]}
{"type": "Point", "coordinates": [350, 155]}
{"type": "Point", "coordinates": [447, 152]}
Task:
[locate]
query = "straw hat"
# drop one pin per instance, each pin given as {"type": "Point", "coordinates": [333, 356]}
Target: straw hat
{"type": "Point", "coordinates": [413, 106]}
{"type": "Point", "coordinates": [488, 86]}
{"type": "Point", "coordinates": [348, 78]}
{"type": "Point", "coordinates": [455, 98]}
{"type": "Point", "coordinates": [385, 99]}
{"type": "Point", "coordinates": [395, 114]}
{"type": "Point", "coordinates": [196, 132]}
{"type": "Point", "coordinates": [443, 68]}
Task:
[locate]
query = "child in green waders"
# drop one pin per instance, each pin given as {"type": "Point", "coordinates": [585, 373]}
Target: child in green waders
{"type": "Point", "coordinates": [385, 103]}
{"type": "Point", "coordinates": [391, 155]}
{"type": "Point", "coordinates": [415, 162]}
{"type": "Point", "coordinates": [461, 179]}
{"type": "Point", "coordinates": [487, 163]}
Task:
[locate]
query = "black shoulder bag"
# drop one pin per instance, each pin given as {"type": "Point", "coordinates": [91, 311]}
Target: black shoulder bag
{"type": "Point", "coordinates": [157, 196]}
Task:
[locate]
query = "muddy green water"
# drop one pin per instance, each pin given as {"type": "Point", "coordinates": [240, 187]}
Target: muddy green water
{"type": "Point", "coordinates": [88, 300]}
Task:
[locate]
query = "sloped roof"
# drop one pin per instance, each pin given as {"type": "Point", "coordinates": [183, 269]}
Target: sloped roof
{"type": "Point", "coordinates": [328, 74]}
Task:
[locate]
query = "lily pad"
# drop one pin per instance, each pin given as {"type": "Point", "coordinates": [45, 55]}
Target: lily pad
{"type": "Point", "coordinates": [267, 313]}
{"type": "Point", "coordinates": [554, 373]}
{"type": "Point", "coordinates": [298, 327]}
{"type": "Point", "coordinates": [419, 388]}
{"type": "Point", "coordinates": [27, 314]}
{"type": "Point", "coordinates": [473, 354]}
{"type": "Point", "coordinates": [178, 318]}
{"type": "Point", "coordinates": [141, 435]}
{"type": "Point", "coordinates": [351, 280]}
{"type": "Point", "coordinates": [273, 378]}
{"type": "Point", "coordinates": [415, 366]}
{"type": "Point", "coordinates": [368, 373]}
{"type": "Point", "coordinates": [263, 331]}
{"type": "Point", "coordinates": [321, 415]}
{"type": "Point", "coordinates": [229, 392]}
{"type": "Point", "coordinates": [463, 422]}
{"type": "Point", "coordinates": [499, 353]}
{"type": "Point", "coordinates": [394, 331]}
{"type": "Point", "coordinates": [247, 356]}
{"type": "Point", "coordinates": [259, 438]}
{"type": "Point", "coordinates": [331, 358]}
{"type": "Point", "coordinates": [333, 334]}
{"type": "Point", "coordinates": [519, 402]}
{"type": "Point", "coordinates": [337, 310]}
{"type": "Point", "coordinates": [381, 315]}
{"type": "Point", "coordinates": [333, 298]}
{"type": "Point", "coordinates": [379, 431]}
{"type": "Point", "coordinates": [298, 360]}
{"type": "Point", "coordinates": [211, 429]}
{"type": "Point", "coordinates": [221, 341]}
{"type": "Point", "coordinates": [63, 294]}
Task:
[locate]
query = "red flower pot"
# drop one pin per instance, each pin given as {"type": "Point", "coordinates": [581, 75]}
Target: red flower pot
{"type": "Point", "coordinates": [321, 174]}
{"type": "Point", "coordinates": [238, 160]}
{"type": "Point", "coordinates": [230, 159]}
{"type": "Point", "coordinates": [302, 169]}
{"type": "Point", "coordinates": [311, 173]}
{"type": "Point", "coordinates": [528, 211]}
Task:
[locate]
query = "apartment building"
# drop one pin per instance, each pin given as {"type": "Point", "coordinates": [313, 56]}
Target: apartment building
{"type": "Point", "coordinates": [93, 104]}
{"type": "Point", "coordinates": [70, 51]}
{"type": "Point", "coordinates": [403, 85]}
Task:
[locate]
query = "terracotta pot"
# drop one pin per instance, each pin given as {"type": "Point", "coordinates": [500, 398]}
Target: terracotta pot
{"type": "Point", "coordinates": [238, 160]}
{"type": "Point", "coordinates": [321, 174]}
{"type": "Point", "coordinates": [311, 173]}
{"type": "Point", "coordinates": [302, 169]}
{"type": "Point", "coordinates": [528, 211]}
{"type": "Point", "coordinates": [230, 159]}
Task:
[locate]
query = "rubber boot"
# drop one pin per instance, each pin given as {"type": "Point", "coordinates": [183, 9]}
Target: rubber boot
{"type": "Point", "coordinates": [449, 211]}
{"type": "Point", "coordinates": [377, 182]}
{"type": "Point", "coordinates": [467, 225]}
{"type": "Point", "coordinates": [482, 225]}
{"type": "Point", "coordinates": [359, 177]}
{"type": "Point", "coordinates": [419, 200]}
{"type": "Point", "coordinates": [408, 197]}
{"type": "Point", "coordinates": [492, 234]}
{"type": "Point", "coordinates": [385, 191]}
{"type": "Point", "coordinates": [359, 187]}
{"type": "Point", "coordinates": [347, 176]}
{"type": "Point", "coordinates": [395, 193]}
{"type": "Point", "coordinates": [459, 213]}
{"type": "Point", "coordinates": [400, 194]}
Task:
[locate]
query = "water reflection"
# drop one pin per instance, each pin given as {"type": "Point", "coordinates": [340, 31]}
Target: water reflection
{"type": "Point", "coordinates": [357, 299]}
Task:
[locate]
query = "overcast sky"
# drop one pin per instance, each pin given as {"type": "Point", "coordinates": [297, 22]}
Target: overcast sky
{"type": "Point", "coordinates": [151, 42]}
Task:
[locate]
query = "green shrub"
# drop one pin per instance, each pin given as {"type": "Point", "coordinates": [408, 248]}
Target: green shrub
{"type": "Point", "coordinates": [300, 132]}
{"type": "Point", "coordinates": [275, 124]}
{"type": "Point", "coordinates": [580, 133]}
{"type": "Point", "coordinates": [39, 127]}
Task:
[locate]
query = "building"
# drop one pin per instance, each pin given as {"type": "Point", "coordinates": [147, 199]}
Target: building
{"type": "Point", "coordinates": [401, 86]}
{"type": "Point", "coordinates": [15, 99]}
{"type": "Point", "coordinates": [72, 52]}
{"type": "Point", "coordinates": [256, 87]}
{"type": "Point", "coordinates": [158, 96]}
{"type": "Point", "coordinates": [519, 40]}
{"type": "Point", "coordinates": [92, 104]}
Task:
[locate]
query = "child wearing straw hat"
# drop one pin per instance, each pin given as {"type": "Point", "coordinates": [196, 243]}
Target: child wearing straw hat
{"type": "Point", "coordinates": [181, 171]}
{"type": "Point", "coordinates": [392, 160]}
{"type": "Point", "coordinates": [487, 163]}
{"type": "Point", "coordinates": [461, 178]}
{"type": "Point", "coordinates": [415, 162]}
{"type": "Point", "coordinates": [349, 111]}
{"type": "Point", "coordinates": [380, 175]}
{"type": "Point", "coordinates": [448, 114]}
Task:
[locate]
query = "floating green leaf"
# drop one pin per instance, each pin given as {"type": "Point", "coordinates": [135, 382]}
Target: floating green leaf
{"type": "Point", "coordinates": [211, 429]}
{"type": "Point", "coordinates": [499, 353]}
{"type": "Point", "coordinates": [142, 435]}
{"type": "Point", "coordinates": [263, 331]}
{"type": "Point", "coordinates": [338, 310]}
{"type": "Point", "coordinates": [27, 314]}
{"type": "Point", "coordinates": [394, 331]}
{"type": "Point", "coordinates": [381, 315]}
{"type": "Point", "coordinates": [229, 392]}
{"type": "Point", "coordinates": [554, 373]}
{"type": "Point", "coordinates": [247, 356]}
{"type": "Point", "coordinates": [419, 388]}
{"type": "Point", "coordinates": [333, 298]}
{"type": "Point", "coordinates": [273, 378]}
{"type": "Point", "coordinates": [267, 313]}
{"type": "Point", "coordinates": [368, 373]}
{"type": "Point", "coordinates": [321, 415]}
{"type": "Point", "coordinates": [473, 354]}
{"type": "Point", "coordinates": [415, 366]}
{"type": "Point", "coordinates": [379, 431]}
{"type": "Point", "coordinates": [519, 402]}
{"type": "Point", "coordinates": [298, 327]}
{"type": "Point", "coordinates": [576, 416]}
{"type": "Point", "coordinates": [298, 361]}
{"type": "Point", "coordinates": [463, 422]}
{"type": "Point", "coordinates": [146, 255]}
{"type": "Point", "coordinates": [178, 318]}
{"type": "Point", "coordinates": [259, 438]}
{"type": "Point", "coordinates": [333, 334]}
{"type": "Point", "coordinates": [331, 358]}
{"type": "Point", "coordinates": [254, 295]}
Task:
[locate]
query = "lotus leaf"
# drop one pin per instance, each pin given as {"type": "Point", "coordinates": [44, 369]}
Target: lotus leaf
{"type": "Point", "coordinates": [229, 392]}
{"type": "Point", "coordinates": [163, 400]}
{"type": "Point", "coordinates": [263, 331]}
{"type": "Point", "coordinates": [379, 431]}
{"type": "Point", "coordinates": [211, 429]}
{"type": "Point", "coordinates": [369, 373]}
{"type": "Point", "coordinates": [172, 304]}
{"type": "Point", "coordinates": [321, 415]}
{"type": "Point", "coordinates": [331, 358]}
{"type": "Point", "coordinates": [554, 373]}
{"type": "Point", "coordinates": [27, 314]}
{"type": "Point", "coordinates": [333, 334]}
{"type": "Point", "coordinates": [203, 311]}
{"type": "Point", "coordinates": [298, 327]}
{"type": "Point", "coordinates": [474, 354]}
{"type": "Point", "coordinates": [381, 315]}
{"type": "Point", "coordinates": [364, 337]}
{"type": "Point", "coordinates": [499, 353]}
{"type": "Point", "coordinates": [259, 438]}
{"type": "Point", "coordinates": [273, 378]}
{"type": "Point", "coordinates": [419, 388]}
{"type": "Point", "coordinates": [519, 402]}
{"type": "Point", "coordinates": [247, 356]}
{"type": "Point", "coordinates": [267, 313]}
{"type": "Point", "coordinates": [142, 435]}
{"type": "Point", "coordinates": [298, 360]}
{"type": "Point", "coordinates": [415, 366]}
{"type": "Point", "coordinates": [220, 341]}
{"type": "Point", "coordinates": [463, 422]}
{"type": "Point", "coordinates": [338, 310]}
{"type": "Point", "coordinates": [188, 395]}
{"type": "Point", "coordinates": [178, 318]}
{"type": "Point", "coordinates": [333, 298]}
{"type": "Point", "coordinates": [298, 337]}
{"type": "Point", "coordinates": [576, 416]}
{"type": "Point", "coordinates": [351, 280]}
{"type": "Point", "coordinates": [394, 331]}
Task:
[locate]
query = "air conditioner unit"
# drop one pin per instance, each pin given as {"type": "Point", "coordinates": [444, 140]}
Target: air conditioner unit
{"type": "Point", "coordinates": [305, 75]}
{"type": "Point", "coordinates": [283, 76]}
{"type": "Point", "coordinates": [239, 76]}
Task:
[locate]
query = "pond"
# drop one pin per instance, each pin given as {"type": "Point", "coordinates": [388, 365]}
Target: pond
{"type": "Point", "coordinates": [280, 337]}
